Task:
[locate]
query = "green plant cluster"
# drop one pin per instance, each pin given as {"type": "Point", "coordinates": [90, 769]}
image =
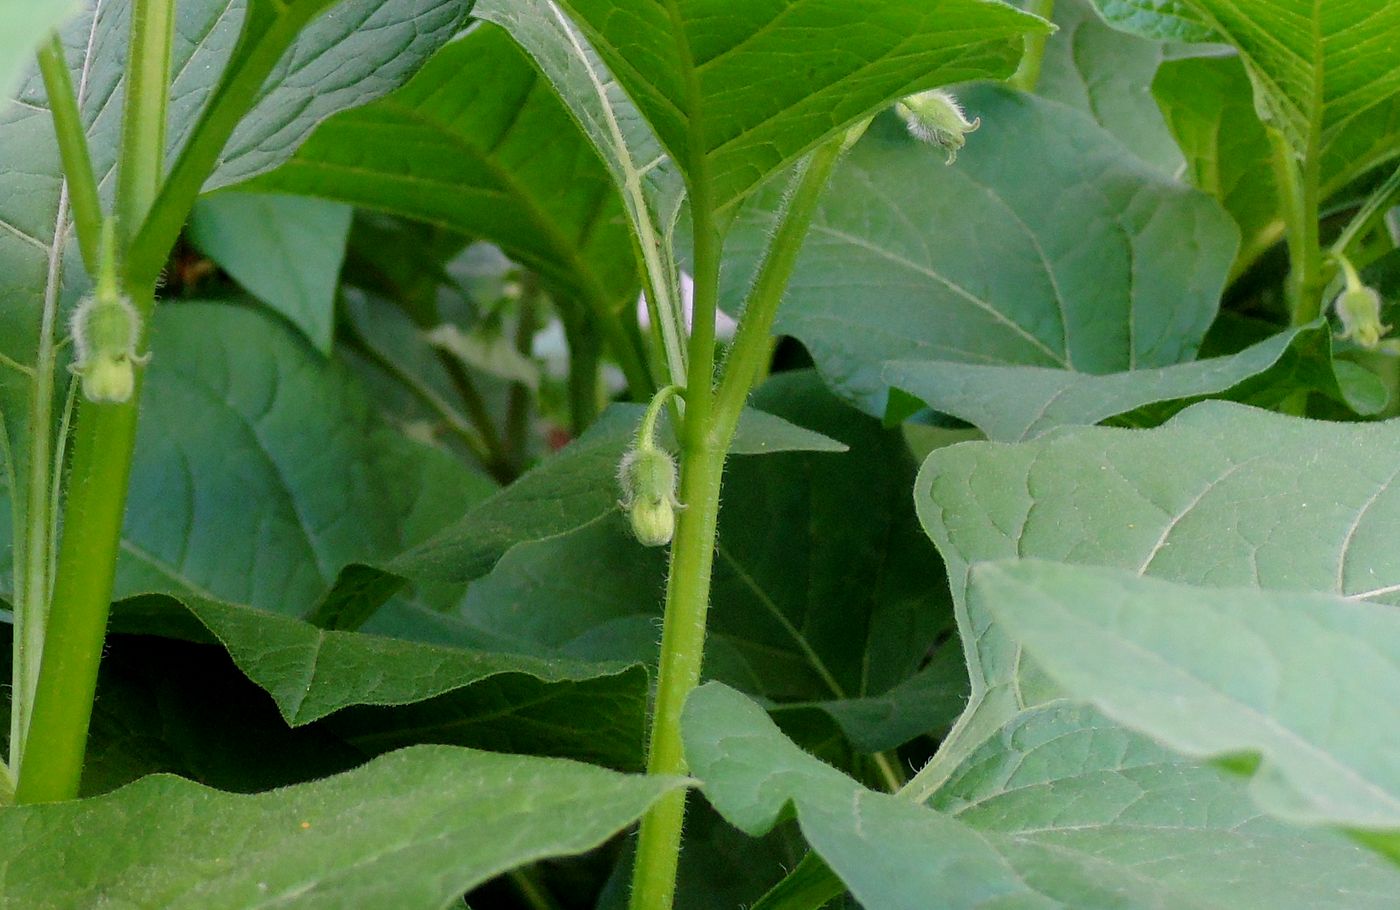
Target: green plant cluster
{"type": "Point", "coordinates": [699, 454]}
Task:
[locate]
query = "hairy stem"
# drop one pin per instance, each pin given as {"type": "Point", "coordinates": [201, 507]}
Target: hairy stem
{"type": "Point", "coordinates": [104, 440]}
{"type": "Point", "coordinates": [1298, 186]}
{"type": "Point", "coordinates": [72, 149]}
{"type": "Point", "coordinates": [708, 429]}
{"type": "Point", "coordinates": [51, 761]}
{"type": "Point", "coordinates": [752, 346]}
{"type": "Point", "coordinates": [142, 160]}
{"type": "Point", "coordinates": [1027, 74]}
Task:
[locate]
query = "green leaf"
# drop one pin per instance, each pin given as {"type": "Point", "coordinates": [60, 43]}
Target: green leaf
{"type": "Point", "coordinates": [153, 714]}
{"type": "Point", "coordinates": [736, 92]}
{"type": "Point", "coordinates": [1223, 495]}
{"type": "Point", "coordinates": [413, 829]}
{"type": "Point", "coordinates": [1209, 106]}
{"type": "Point", "coordinates": [478, 142]}
{"type": "Point", "coordinates": [1010, 404]}
{"type": "Point", "coordinates": [1164, 20]}
{"type": "Point", "coordinates": [1059, 809]}
{"type": "Point", "coordinates": [1308, 684]}
{"type": "Point", "coordinates": [1316, 67]}
{"type": "Point", "coordinates": [284, 251]}
{"type": "Point", "coordinates": [27, 24]}
{"type": "Point", "coordinates": [401, 693]}
{"type": "Point", "coordinates": [262, 470]}
{"type": "Point", "coordinates": [1054, 249]}
{"type": "Point", "coordinates": [1105, 74]}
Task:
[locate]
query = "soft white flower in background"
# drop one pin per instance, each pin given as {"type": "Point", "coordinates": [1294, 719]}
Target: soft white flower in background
{"type": "Point", "coordinates": [724, 325]}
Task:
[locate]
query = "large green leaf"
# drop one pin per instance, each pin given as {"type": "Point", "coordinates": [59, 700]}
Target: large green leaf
{"type": "Point", "coordinates": [1209, 105]}
{"type": "Point", "coordinates": [385, 693]}
{"type": "Point", "coordinates": [740, 90]}
{"type": "Point", "coordinates": [1044, 245]}
{"type": "Point", "coordinates": [262, 470]}
{"type": "Point", "coordinates": [1059, 809]}
{"type": "Point", "coordinates": [1223, 495]}
{"type": "Point", "coordinates": [1316, 66]}
{"type": "Point", "coordinates": [1010, 404]}
{"type": "Point", "coordinates": [286, 252]}
{"type": "Point", "coordinates": [1107, 75]}
{"type": "Point", "coordinates": [479, 142]}
{"type": "Point", "coordinates": [414, 829]}
{"type": "Point", "coordinates": [155, 712]}
{"type": "Point", "coordinates": [1306, 684]}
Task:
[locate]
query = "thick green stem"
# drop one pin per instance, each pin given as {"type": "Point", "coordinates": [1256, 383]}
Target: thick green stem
{"type": "Point", "coordinates": [72, 150]}
{"type": "Point", "coordinates": [52, 763]}
{"type": "Point", "coordinates": [692, 558]}
{"type": "Point", "coordinates": [1298, 188]}
{"type": "Point", "coordinates": [1027, 75]}
{"type": "Point", "coordinates": [710, 422]}
{"type": "Point", "coordinates": [268, 30]}
{"type": "Point", "coordinates": [142, 161]}
{"type": "Point", "coordinates": [748, 354]}
{"type": "Point", "coordinates": [51, 759]}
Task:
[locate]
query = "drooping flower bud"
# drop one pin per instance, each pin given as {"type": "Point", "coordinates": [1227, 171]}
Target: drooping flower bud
{"type": "Point", "coordinates": [936, 118]}
{"type": "Point", "coordinates": [1358, 306]}
{"type": "Point", "coordinates": [106, 330]}
{"type": "Point", "coordinates": [647, 477]}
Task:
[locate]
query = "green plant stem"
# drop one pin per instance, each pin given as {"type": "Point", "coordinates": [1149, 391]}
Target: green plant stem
{"type": "Point", "coordinates": [692, 558]}
{"type": "Point", "coordinates": [51, 761]}
{"type": "Point", "coordinates": [72, 149]}
{"type": "Point", "coordinates": [1298, 189]}
{"type": "Point", "coordinates": [142, 160]}
{"type": "Point", "coordinates": [1027, 74]}
{"type": "Point", "coordinates": [1371, 212]}
{"type": "Point", "coordinates": [752, 346]}
{"type": "Point", "coordinates": [711, 419]}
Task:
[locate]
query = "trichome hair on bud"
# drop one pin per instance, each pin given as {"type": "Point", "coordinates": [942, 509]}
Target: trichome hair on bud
{"type": "Point", "coordinates": [647, 478]}
{"type": "Point", "coordinates": [106, 329]}
{"type": "Point", "coordinates": [937, 118]}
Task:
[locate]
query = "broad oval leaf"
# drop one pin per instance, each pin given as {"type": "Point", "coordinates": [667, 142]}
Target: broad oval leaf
{"type": "Point", "coordinates": [736, 91]}
{"type": "Point", "coordinates": [1044, 245]}
{"type": "Point", "coordinates": [1059, 809]}
{"type": "Point", "coordinates": [1310, 683]}
{"type": "Point", "coordinates": [414, 829]}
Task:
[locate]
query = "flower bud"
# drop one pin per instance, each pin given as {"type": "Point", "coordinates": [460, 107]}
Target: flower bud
{"type": "Point", "coordinates": [1359, 309]}
{"type": "Point", "coordinates": [936, 118]}
{"type": "Point", "coordinates": [647, 477]}
{"type": "Point", "coordinates": [106, 329]}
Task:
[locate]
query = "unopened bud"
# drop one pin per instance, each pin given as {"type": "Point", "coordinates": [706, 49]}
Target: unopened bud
{"type": "Point", "coordinates": [936, 118]}
{"type": "Point", "coordinates": [647, 477]}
